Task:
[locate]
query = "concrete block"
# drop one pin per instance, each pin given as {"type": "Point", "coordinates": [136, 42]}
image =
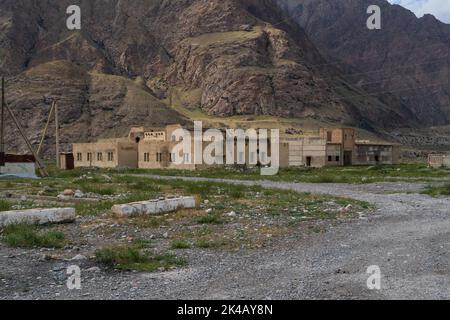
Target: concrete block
{"type": "Point", "coordinates": [37, 216]}
{"type": "Point", "coordinates": [153, 206]}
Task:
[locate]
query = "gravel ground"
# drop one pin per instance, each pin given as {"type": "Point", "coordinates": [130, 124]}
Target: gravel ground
{"type": "Point", "coordinates": [407, 236]}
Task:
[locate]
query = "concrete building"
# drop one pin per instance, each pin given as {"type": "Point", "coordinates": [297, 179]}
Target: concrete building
{"type": "Point", "coordinates": [439, 160]}
{"type": "Point", "coordinates": [339, 147]}
{"type": "Point", "coordinates": [152, 148]}
{"type": "Point", "coordinates": [109, 153]}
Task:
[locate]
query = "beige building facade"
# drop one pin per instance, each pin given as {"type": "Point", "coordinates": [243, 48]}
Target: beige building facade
{"type": "Point", "coordinates": [153, 148]}
{"type": "Point", "coordinates": [439, 160]}
{"type": "Point", "coordinates": [339, 147]}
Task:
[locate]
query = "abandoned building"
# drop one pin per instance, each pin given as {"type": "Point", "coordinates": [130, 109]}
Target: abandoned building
{"type": "Point", "coordinates": [339, 147]}
{"type": "Point", "coordinates": [439, 160]}
{"type": "Point", "coordinates": [151, 148]}
{"type": "Point", "coordinates": [22, 166]}
{"type": "Point", "coordinates": [106, 153]}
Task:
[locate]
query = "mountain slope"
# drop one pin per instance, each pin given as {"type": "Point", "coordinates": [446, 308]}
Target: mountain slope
{"type": "Point", "coordinates": [408, 57]}
{"type": "Point", "coordinates": [244, 57]}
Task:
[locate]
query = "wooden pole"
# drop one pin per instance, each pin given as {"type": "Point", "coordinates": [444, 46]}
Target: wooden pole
{"type": "Point", "coordinates": [30, 147]}
{"type": "Point", "coordinates": [44, 133]}
{"type": "Point", "coordinates": [2, 128]}
{"type": "Point", "coordinates": [57, 136]}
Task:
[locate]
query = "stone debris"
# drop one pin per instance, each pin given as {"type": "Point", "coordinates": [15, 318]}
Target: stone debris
{"type": "Point", "coordinates": [37, 216]}
{"type": "Point", "coordinates": [69, 193]}
{"type": "Point", "coordinates": [154, 206]}
{"type": "Point", "coordinates": [79, 257]}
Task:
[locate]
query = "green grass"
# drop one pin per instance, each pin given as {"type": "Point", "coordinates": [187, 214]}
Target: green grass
{"type": "Point", "coordinates": [180, 244]}
{"type": "Point", "coordinates": [352, 174]}
{"type": "Point", "coordinates": [5, 205]}
{"type": "Point", "coordinates": [134, 258]}
{"type": "Point", "coordinates": [210, 219]}
{"type": "Point", "coordinates": [28, 236]}
{"type": "Point", "coordinates": [436, 191]}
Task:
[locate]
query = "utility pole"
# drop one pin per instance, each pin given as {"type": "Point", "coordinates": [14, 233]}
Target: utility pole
{"type": "Point", "coordinates": [57, 135]}
{"type": "Point", "coordinates": [44, 133]}
{"type": "Point", "coordinates": [2, 128]}
{"type": "Point", "coordinates": [30, 147]}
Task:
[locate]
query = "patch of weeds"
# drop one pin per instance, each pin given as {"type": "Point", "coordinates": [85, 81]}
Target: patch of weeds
{"type": "Point", "coordinates": [180, 244]}
{"type": "Point", "coordinates": [28, 236]}
{"type": "Point", "coordinates": [236, 194]}
{"type": "Point", "coordinates": [145, 222]}
{"type": "Point", "coordinates": [92, 209]}
{"type": "Point", "coordinates": [212, 218]}
{"type": "Point", "coordinates": [134, 258]}
{"type": "Point", "coordinates": [141, 243]}
{"type": "Point", "coordinates": [436, 191]}
{"type": "Point", "coordinates": [5, 205]}
{"type": "Point", "coordinates": [209, 243]}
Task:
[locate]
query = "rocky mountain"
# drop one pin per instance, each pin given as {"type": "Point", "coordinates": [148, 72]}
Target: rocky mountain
{"type": "Point", "coordinates": [226, 57]}
{"type": "Point", "coordinates": [409, 58]}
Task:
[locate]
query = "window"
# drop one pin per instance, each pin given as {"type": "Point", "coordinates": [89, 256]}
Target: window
{"type": "Point", "coordinates": [173, 157]}
{"type": "Point", "coordinates": [99, 156]}
{"type": "Point", "coordinates": [329, 136]}
{"type": "Point", "coordinates": [338, 158]}
{"type": "Point", "coordinates": [252, 157]}
{"type": "Point", "coordinates": [89, 156]}
{"type": "Point", "coordinates": [110, 156]}
{"type": "Point", "coordinates": [241, 157]}
{"type": "Point", "coordinates": [79, 156]}
{"type": "Point", "coordinates": [146, 157]}
{"type": "Point", "coordinates": [159, 157]}
{"type": "Point", "coordinates": [330, 158]}
{"type": "Point", "coordinates": [186, 158]}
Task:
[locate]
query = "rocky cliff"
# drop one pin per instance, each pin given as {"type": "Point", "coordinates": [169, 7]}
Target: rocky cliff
{"type": "Point", "coordinates": [245, 57]}
{"type": "Point", "coordinates": [408, 59]}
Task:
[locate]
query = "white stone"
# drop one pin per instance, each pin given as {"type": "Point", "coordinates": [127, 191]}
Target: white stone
{"type": "Point", "coordinates": [79, 257]}
{"type": "Point", "coordinates": [37, 216]}
{"type": "Point", "coordinates": [231, 214]}
{"type": "Point", "coordinates": [154, 206]}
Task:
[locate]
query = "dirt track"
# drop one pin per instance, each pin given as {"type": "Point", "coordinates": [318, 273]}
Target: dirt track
{"type": "Point", "coordinates": [408, 237]}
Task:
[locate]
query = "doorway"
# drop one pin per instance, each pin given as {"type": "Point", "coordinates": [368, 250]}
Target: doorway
{"type": "Point", "coordinates": [308, 161]}
{"type": "Point", "coordinates": [347, 158]}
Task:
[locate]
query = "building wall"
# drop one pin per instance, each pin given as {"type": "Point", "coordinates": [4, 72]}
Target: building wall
{"type": "Point", "coordinates": [366, 154]}
{"type": "Point", "coordinates": [334, 155]}
{"type": "Point", "coordinates": [308, 151]}
{"type": "Point", "coordinates": [344, 136]}
{"type": "Point", "coordinates": [124, 154]}
{"type": "Point", "coordinates": [439, 160]}
{"type": "Point", "coordinates": [127, 155]}
{"type": "Point", "coordinates": [149, 159]}
{"type": "Point", "coordinates": [19, 169]}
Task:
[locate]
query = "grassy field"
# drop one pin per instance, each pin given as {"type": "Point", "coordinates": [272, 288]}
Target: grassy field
{"type": "Point", "coordinates": [354, 174]}
{"type": "Point", "coordinates": [228, 217]}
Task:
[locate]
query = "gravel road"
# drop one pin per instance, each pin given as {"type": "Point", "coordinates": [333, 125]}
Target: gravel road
{"type": "Point", "coordinates": [407, 236]}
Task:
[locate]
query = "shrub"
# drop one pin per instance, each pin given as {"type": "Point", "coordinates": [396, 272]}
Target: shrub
{"type": "Point", "coordinates": [27, 236]}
